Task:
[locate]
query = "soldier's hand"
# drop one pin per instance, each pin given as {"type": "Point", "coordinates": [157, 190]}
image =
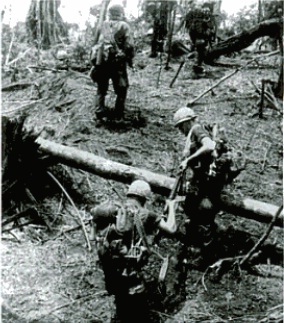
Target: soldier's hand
{"type": "Point", "coordinates": [123, 250]}
{"type": "Point", "coordinates": [99, 239]}
{"type": "Point", "coordinates": [183, 165]}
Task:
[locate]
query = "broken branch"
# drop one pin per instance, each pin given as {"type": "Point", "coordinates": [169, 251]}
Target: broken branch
{"type": "Point", "coordinates": [19, 57]}
{"type": "Point", "coordinates": [31, 212]}
{"type": "Point", "coordinates": [224, 78]}
{"type": "Point", "coordinates": [263, 238]}
{"type": "Point", "coordinates": [16, 86]}
{"type": "Point", "coordinates": [77, 211]}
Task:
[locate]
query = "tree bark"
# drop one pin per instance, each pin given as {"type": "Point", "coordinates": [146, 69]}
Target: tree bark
{"type": "Point", "coordinates": [161, 184]}
{"type": "Point", "coordinates": [44, 23]}
{"type": "Point", "coordinates": [272, 28]}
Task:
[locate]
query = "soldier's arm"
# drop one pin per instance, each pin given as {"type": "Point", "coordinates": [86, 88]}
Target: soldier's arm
{"type": "Point", "coordinates": [102, 215]}
{"type": "Point", "coordinates": [207, 147]}
{"type": "Point", "coordinates": [154, 221]}
{"type": "Point", "coordinates": [181, 24]}
{"type": "Point", "coordinates": [93, 232]}
{"type": "Point", "coordinates": [169, 225]}
{"type": "Point", "coordinates": [129, 44]}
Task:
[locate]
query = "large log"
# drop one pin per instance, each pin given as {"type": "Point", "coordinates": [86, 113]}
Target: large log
{"type": "Point", "coordinates": [272, 28]}
{"type": "Point", "coordinates": [161, 184]}
{"type": "Point", "coordinates": [105, 168]}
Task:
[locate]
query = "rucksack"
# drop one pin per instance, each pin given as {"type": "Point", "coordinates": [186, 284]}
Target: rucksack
{"type": "Point", "coordinates": [225, 160]}
{"type": "Point", "coordinates": [122, 240]}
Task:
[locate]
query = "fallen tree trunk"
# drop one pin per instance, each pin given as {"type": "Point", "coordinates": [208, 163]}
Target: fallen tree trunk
{"type": "Point", "coordinates": [161, 184]}
{"type": "Point", "coordinates": [272, 28]}
{"type": "Point", "coordinates": [106, 168]}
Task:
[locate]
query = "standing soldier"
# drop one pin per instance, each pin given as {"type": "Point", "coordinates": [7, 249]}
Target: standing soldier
{"type": "Point", "coordinates": [158, 11]}
{"type": "Point", "coordinates": [200, 24]}
{"type": "Point", "coordinates": [120, 230]}
{"type": "Point", "coordinates": [211, 169]}
{"type": "Point", "coordinates": [110, 58]}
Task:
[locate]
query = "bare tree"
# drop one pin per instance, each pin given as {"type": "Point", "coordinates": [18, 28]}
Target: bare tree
{"type": "Point", "coordinates": [44, 23]}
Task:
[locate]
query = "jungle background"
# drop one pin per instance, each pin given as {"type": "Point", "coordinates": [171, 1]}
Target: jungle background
{"type": "Point", "coordinates": [48, 273]}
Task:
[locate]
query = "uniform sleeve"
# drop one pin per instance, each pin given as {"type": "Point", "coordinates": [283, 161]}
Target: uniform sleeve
{"type": "Point", "coordinates": [128, 35]}
{"type": "Point", "coordinates": [128, 41]}
{"type": "Point", "coordinates": [199, 133]}
{"type": "Point", "coordinates": [104, 214]}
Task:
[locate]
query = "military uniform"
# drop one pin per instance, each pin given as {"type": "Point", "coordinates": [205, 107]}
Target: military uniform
{"type": "Point", "coordinates": [113, 52]}
{"type": "Point", "coordinates": [200, 203]}
{"type": "Point", "coordinates": [201, 27]}
{"type": "Point", "coordinates": [204, 185]}
{"type": "Point", "coordinates": [123, 276]}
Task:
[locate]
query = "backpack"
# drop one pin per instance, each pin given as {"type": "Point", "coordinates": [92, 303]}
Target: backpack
{"type": "Point", "coordinates": [120, 252]}
{"type": "Point", "coordinates": [225, 159]}
{"type": "Point", "coordinates": [122, 240]}
{"type": "Point", "coordinates": [200, 25]}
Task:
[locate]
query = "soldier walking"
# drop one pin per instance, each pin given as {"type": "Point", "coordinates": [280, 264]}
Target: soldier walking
{"type": "Point", "coordinates": [211, 168]}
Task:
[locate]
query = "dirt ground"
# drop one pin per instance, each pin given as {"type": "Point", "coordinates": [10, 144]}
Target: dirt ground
{"type": "Point", "coordinates": [52, 277]}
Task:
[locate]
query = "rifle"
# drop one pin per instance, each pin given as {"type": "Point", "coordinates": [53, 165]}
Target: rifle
{"type": "Point", "coordinates": [176, 187]}
{"type": "Point", "coordinates": [170, 202]}
{"type": "Point", "coordinates": [96, 58]}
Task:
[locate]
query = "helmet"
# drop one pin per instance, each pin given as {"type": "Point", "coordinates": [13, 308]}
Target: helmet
{"type": "Point", "coordinates": [61, 54]}
{"type": "Point", "coordinates": [139, 188]}
{"type": "Point", "coordinates": [183, 114]}
{"type": "Point", "coordinates": [116, 10]}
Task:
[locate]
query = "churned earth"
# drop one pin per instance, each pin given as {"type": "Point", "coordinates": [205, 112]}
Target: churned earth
{"type": "Point", "coordinates": [50, 276]}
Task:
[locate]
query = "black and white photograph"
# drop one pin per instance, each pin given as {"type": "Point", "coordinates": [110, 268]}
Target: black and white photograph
{"type": "Point", "coordinates": [142, 161]}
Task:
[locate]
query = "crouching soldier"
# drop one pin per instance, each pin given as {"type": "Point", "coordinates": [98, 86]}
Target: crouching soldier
{"type": "Point", "coordinates": [208, 170]}
{"type": "Point", "coordinates": [121, 231]}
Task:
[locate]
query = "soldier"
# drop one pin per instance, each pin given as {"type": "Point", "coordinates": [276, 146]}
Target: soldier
{"type": "Point", "coordinates": [121, 251]}
{"type": "Point", "coordinates": [205, 185]}
{"type": "Point", "coordinates": [158, 10]}
{"type": "Point", "coordinates": [110, 58]}
{"type": "Point", "coordinates": [202, 31]}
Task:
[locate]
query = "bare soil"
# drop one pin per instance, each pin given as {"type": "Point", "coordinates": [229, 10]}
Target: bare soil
{"type": "Point", "coordinates": [52, 277]}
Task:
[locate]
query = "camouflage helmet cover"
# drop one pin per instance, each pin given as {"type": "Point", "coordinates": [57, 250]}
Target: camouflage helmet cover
{"type": "Point", "coordinates": [183, 114]}
{"type": "Point", "coordinates": [139, 188]}
{"type": "Point", "coordinates": [116, 10]}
